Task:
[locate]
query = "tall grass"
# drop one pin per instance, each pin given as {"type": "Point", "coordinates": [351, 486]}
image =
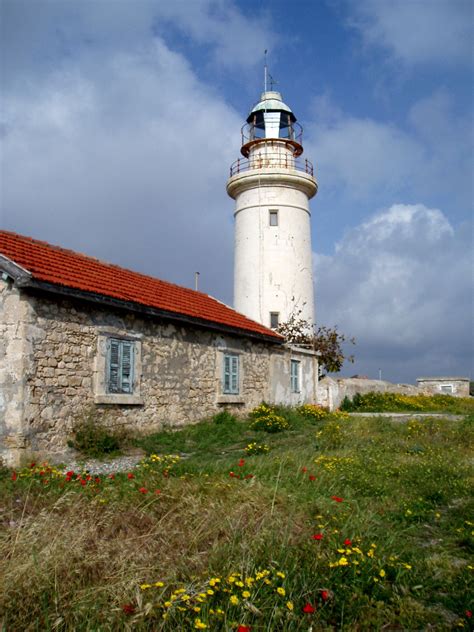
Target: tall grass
{"type": "Point", "coordinates": [358, 524]}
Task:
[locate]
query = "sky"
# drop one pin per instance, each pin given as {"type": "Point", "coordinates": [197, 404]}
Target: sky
{"type": "Point", "coordinates": [120, 120]}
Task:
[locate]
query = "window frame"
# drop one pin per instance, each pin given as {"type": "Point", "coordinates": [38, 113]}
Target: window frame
{"type": "Point", "coordinates": [103, 394]}
{"type": "Point", "coordinates": [295, 376]}
{"type": "Point", "coordinates": [273, 213]}
{"type": "Point", "coordinates": [125, 372]}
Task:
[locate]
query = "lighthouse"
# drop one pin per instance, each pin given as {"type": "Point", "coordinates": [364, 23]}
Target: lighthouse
{"type": "Point", "coordinates": [272, 185]}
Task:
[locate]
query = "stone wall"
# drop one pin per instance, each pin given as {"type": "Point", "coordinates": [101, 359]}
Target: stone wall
{"type": "Point", "coordinates": [331, 392]}
{"type": "Point", "coordinates": [51, 362]}
{"type": "Point", "coordinates": [455, 386]}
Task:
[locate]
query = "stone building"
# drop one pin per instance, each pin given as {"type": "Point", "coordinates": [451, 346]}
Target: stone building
{"type": "Point", "coordinates": [78, 334]}
{"type": "Point", "coordinates": [456, 386]}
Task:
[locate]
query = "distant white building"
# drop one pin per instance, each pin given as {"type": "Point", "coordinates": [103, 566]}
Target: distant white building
{"type": "Point", "coordinates": [272, 186]}
{"type": "Point", "coordinates": [457, 386]}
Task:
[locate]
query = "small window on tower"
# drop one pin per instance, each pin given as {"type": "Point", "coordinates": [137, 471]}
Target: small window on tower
{"type": "Point", "coordinates": [274, 320]}
{"type": "Point", "coordinates": [273, 217]}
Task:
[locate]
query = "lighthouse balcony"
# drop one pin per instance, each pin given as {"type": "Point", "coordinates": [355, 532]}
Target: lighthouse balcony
{"type": "Point", "coordinates": [269, 161]}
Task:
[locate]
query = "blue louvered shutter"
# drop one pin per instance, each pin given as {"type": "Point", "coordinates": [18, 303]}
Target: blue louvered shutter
{"type": "Point", "coordinates": [113, 366]}
{"type": "Point", "coordinates": [126, 369]}
{"type": "Point", "coordinates": [231, 373]}
{"type": "Point", "coordinates": [120, 363]}
{"type": "Point", "coordinates": [294, 376]}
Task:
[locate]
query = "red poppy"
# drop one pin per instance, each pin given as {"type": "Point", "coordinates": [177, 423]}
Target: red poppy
{"type": "Point", "coordinates": [45, 481]}
{"type": "Point", "coordinates": [348, 542]}
{"type": "Point", "coordinates": [231, 474]}
{"type": "Point", "coordinates": [32, 465]}
{"type": "Point", "coordinates": [143, 490]}
{"type": "Point", "coordinates": [112, 476]}
{"type": "Point", "coordinates": [324, 595]}
{"type": "Point", "coordinates": [337, 499]}
{"type": "Point", "coordinates": [468, 614]}
{"type": "Point", "coordinates": [70, 474]}
{"type": "Point", "coordinates": [244, 628]}
{"type": "Point", "coordinates": [157, 491]}
{"type": "Point", "coordinates": [312, 477]}
{"type": "Point", "coordinates": [317, 536]}
{"type": "Point", "coordinates": [241, 463]}
{"type": "Point", "coordinates": [83, 482]}
{"type": "Point", "coordinates": [249, 476]}
{"type": "Point", "coordinates": [97, 479]}
{"type": "Point", "coordinates": [304, 469]}
{"type": "Point", "coordinates": [128, 608]}
{"type": "Point", "coordinates": [14, 476]}
{"type": "Point", "coordinates": [130, 475]}
{"type": "Point", "coordinates": [42, 473]}
{"type": "Point", "coordinates": [308, 608]}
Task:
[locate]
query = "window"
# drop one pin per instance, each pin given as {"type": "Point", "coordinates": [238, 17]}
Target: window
{"type": "Point", "coordinates": [446, 388]}
{"type": "Point", "coordinates": [274, 320]}
{"type": "Point", "coordinates": [231, 374]}
{"type": "Point", "coordinates": [273, 215]}
{"type": "Point", "coordinates": [119, 367]}
{"type": "Point", "coordinates": [295, 376]}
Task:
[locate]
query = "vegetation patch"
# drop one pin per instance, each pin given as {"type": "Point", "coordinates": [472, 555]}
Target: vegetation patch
{"type": "Point", "coordinates": [366, 527]}
{"type": "Point", "coordinates": [397, 402]}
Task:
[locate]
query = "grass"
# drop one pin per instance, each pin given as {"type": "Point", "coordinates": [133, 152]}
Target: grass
{"type": "Point", "coordinates": [354, 524]}
{"type": "Point", "coordinates": [397, 402]}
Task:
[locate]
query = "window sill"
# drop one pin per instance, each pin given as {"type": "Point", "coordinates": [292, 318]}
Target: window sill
{"type": "Point", "coordinates": [119, 399]}
{"type": "Point", "coordinates": [230, 399]}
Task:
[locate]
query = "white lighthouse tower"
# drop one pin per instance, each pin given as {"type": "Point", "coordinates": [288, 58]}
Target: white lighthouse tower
{"type": "Point", "coordinates": [272, 186]}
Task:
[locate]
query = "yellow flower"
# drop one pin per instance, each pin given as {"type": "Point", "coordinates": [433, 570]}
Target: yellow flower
{"type": "Point", "coordinates": [210, 591]}
{"type": "Point", "coordinates": [159, 584]}
{"type": "Point", "coordinates": [407, 566]}
{"type": "Point", "coordinates": [145, 586]}
{"type": "Point", "coordinates": [370, 553]}
{"type": "Point", "coordinates": [280, 574]}
{"type": "Point", "coordinates": [343, 561]}
{"type": "Point", "coordinates": [213, 581]}
{"type": "Point", "coordinates": [289, 605]}
{"type": "Point", "coordinates": [249, 581]}
{"type": "Point", "coordinates": [246, 594]}
{"type": "Point", "coordinates": [199, 625]}
{"type": "Point", "coordinates": [167, 604]}
{"type": "Point", "coordinates": [234, 600]}
{"type": "Point", "coordinates": [197, 609]}
{"type": "Point", "coordinates": [382, 573]}
{"type": "Point", "coordinates": [239, 584]}
{"type": "Point", "coordinates": [281, 591]}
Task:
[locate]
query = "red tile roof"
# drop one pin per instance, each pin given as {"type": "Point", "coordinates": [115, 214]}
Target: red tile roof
{"type": "Point", "coordinates": [65, 268]}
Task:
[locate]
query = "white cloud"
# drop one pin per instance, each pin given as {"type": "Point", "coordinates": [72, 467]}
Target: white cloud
{"type": "Point", "coordinates": [417, 31]}
{"type": "Point", "coordinates": [401, 284]}
{"type": "Point", "coordinates": [125, 156]}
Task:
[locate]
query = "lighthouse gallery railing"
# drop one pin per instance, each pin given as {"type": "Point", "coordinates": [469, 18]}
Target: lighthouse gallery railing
{"type": "Point", "coordinates": [271, 161]}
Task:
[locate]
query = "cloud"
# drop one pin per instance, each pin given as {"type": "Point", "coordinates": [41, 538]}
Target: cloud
{"type": "Point", "coordinates": [401, 284]}
{"type": "Point", "coordinates": [125, 158]}
{"type": "Point", "coordinates": [418, 31]}
{"type": "Point", "coordinates": [363, 159]}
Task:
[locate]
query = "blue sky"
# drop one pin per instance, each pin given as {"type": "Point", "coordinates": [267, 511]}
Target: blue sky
{"type": "Point", "coordinates": [121, 118]}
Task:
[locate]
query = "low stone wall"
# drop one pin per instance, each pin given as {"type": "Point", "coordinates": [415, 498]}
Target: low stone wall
{"type": "Point", "coordinates": [331, 392]}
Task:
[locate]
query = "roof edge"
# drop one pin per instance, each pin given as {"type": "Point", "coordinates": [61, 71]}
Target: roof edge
{"type": "Point", "coordinates": [20, 275]}
{"type": "Point", "coordinates": [148, 311]}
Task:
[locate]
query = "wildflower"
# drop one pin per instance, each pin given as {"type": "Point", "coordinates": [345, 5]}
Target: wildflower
{"type": "Point", "coordinates": [304, 469]}
{"type": "Point", "coordinates": [83, 482]}
{"type": "Point", "coordinates": [312, 477]}
{"type": "Point", "coordinates": [210, 591]}
{"type": "Point", "coordinates": [112, 476]}
{"type": "Point", "coordinates": [199, 625]}
{"type": "Point", "coordinates": [213, 581]}
{"type": "Point", "coordinates": [324, 595]}
{"type": "Point", "coordinates": [337, 499]}
{"type": "Point", "coordinates": [145, 586]}
{"type": "Point", "coordinates": [348, 542]}
{"type": "Point", "coordinates": [343, 561]}
{"type": "Point", "coordinates": [290, 606]}
{"type": "Point", "coordinates": [407, 566]}
{"type": "Point", "coordinates": [128, 608]}
{"type": "Point", "coordinates": [159, 584]}
{"type": "Point", "coordinates": [280, 574]}
{"type": "Point", "coordinates": [281, 591]}
{"type": "Point", "coordinates": [234, 600]}
{"type": "Point", "coordinates": [157, 491]}
{"type": "Point", "coordinates": [382, 573]}
{"type": "Point", "coordinates": [130, 475]}
{"type": "Point", "coordinates": [243, 628]}
{"type": "Point", "coordinates": [247, 476]}
{"type": "Point", "coordinates": [468, 614]}
{"type": "Point", "coordinates": [14, 476]}
{"type": "Point", "coordinates": [317, 536]}
{"type": "Point", "coordinates": [241, 462]}
{"type": "Point", "coordinates": [308, 608]}
{"type": "Point", "coordinates": [143, 490]}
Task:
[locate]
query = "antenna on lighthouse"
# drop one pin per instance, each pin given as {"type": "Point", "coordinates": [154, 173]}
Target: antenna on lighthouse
{"type": "Point", "coordinates": [265, 72]}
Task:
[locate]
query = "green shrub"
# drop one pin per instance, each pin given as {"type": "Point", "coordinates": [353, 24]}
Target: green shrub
{"type": "Point", "coordinates": [265, 418]}
{"type": "Point", "coordinates": [224, 417]}
{"type": "Point", "coordinates": [92, 439]}
{"type": "Point", "coordinates": [398, 402]}
{"type": "Point", "coordinates": [256, 448]}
